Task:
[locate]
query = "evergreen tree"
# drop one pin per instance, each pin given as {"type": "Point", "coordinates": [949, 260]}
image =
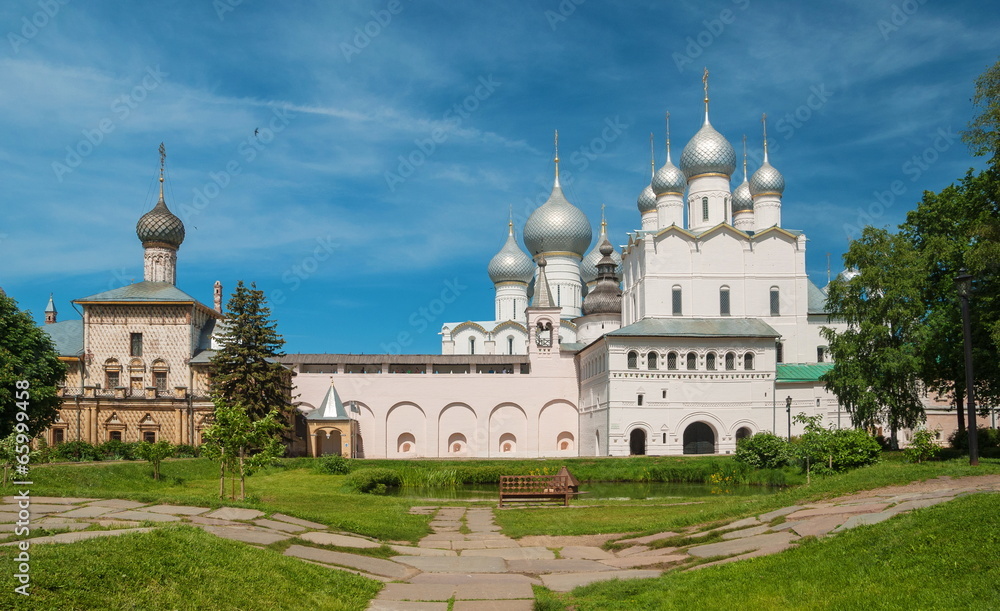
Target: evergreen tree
{"type": "Point", "coordinates": [245, 370]}
{"type": "Point", "coordinates": [27, 354]}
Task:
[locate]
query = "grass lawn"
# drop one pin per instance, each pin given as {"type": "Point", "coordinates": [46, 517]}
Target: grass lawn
{"type": "Point", "coordinates": [942, 557]}
{"type": "Point", "coordinates": [177, 567]}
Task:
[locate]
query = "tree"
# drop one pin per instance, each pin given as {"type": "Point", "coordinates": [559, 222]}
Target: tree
{"type": "Point", "coordinates": [983, 135]}
{"type": "Point", "coordinates": [245, 371]}
{"type": "Point", "coordinates": [241, 444]}
{"type": "Point", "coordinates": [876, 364]}
{"type": "Point", "coordinates": [154, 453]}
{"type": "Point", "coordinates": [27, 354]}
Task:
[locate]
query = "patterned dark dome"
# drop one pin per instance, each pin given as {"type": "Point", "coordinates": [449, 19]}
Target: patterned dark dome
{"type": "Point", "coordinates": [606, 298]}
{"type": "Point", "coordinates": [588, 267]}
{"type": "Point", "coordinates": [160, 225]}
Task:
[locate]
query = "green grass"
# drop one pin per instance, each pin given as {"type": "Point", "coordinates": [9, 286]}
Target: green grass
{"type": "Point", "coordinates": [177, 567]}
{"type": "Point", "coordinates": [942, 557]}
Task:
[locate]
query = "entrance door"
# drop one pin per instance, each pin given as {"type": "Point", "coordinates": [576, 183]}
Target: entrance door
{"type": "Point", "coordinates": [699, 439]}
{"type": "Point", "coordinates": [637, 442]}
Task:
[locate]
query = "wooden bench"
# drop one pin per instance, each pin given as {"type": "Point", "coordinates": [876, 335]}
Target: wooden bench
{"type": "Point", "coordinates": [538, 488]}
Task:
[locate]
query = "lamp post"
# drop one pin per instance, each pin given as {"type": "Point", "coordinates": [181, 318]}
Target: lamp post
{"type": "Point", "coordinates": [963, 282]}
{"type": "Point", "coordinates": [788, 410]}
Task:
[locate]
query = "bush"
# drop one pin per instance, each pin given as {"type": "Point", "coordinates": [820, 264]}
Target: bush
{"type": "Point", "coordinates": [333, 464]}
{"type": "Point", "coordinates": [117, 450]}
{"type": "Point", "coordinates": [373, 480]}
{"type": "Point", "coordinates": [76, 451]}
{"type": "Point", "coordinates": [185, 451]}
{"type": "Point", "coordinates": [763, 451]}
{"type": "Point", "coordinates": [154, 453]}
{"type": "Point", "coordinates": [922, 446]}
{"type": "Point", "coordinates": [986, 438]}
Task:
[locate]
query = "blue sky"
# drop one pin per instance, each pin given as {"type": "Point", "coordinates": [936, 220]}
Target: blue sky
{"type": "Point", "coordinates": [358, 250]}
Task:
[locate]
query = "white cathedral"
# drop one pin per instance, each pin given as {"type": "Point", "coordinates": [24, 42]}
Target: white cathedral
{"type": "Point", "coordinates": [705, 329]}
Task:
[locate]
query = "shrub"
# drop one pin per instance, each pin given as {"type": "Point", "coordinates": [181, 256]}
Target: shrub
{"type": "Point", "coordinates": [922, 446]}
{"type": "Point", "coordinates": [333, 464]}
{"type": "Point", "coordinates": [986, 438]}
{"type": "Point", "coordinates": [117, 450]}
{"type": "Point", "coordinates": [154, 453]}
{"type": "Point", "coordinates": [185, 451]}
{"type": "Point", "coordinates": [75, 451]}
{"type": "Point", "coordinates": [826, 450]}
{"type": "Point", "coordinates": [763, 451]}
{"type": "Point", "coordinates": [373, 480]}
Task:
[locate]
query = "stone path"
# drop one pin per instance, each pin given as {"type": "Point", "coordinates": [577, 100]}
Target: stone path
{"type": "Point", "coordinates": [466, 562]}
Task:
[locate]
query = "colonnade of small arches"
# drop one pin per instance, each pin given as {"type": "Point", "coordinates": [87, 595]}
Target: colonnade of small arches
{"type": "Point", "coordinates": [711, 360]}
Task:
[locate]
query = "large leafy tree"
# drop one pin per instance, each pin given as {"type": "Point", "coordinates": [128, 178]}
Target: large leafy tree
{"type": "Point", "coordinates": [876, 358]}
{"type": "Point", "coordinates": [27, 354]}
{"type": "Point", "coordinates": [983, 137]}
{"type": "Point", "coordinates": [245, 370]}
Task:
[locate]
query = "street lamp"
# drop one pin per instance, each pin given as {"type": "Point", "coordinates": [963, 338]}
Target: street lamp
{"type": "Point", "coordinates": [788, 409]}
{"type": "Point", "coordinates": [963, 282]}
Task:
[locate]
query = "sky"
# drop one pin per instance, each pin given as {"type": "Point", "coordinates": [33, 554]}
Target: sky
{"type": "Point", "coordinates": [394, 138]}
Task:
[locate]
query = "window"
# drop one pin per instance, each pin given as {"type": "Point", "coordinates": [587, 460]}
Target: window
{"type": "Point", "coordinates": [779, 349]}
{"type": "Point", "coordinates": [710, 361]}
{"type": "Point", "coordinates": [704, 208]}
{"type": "Point", "coordinates": [748, 361]}
{"type": "Point", "coordinates": [149, 436]}
{"type": "Point", "coordinates": [724, 301]}
{"type": "Point", "coordinates": [651, 360]}
{"type": "Point", "coordinates": [664, 393]}
{"type": "Point", "coordinates": [58, 436]}
{"type": "Point", "coordinates": [672, 360]}
{"type": "Point", "coordinates": [510, 344]}
{"type": "Point", "coordinates": [677, 301]}
{"type": "Point", "coordinates": [472, 345]}
{"type": "Point", "coordinates": [730, 361]}
{"type": "Point", "coordinates": [638, 400]}
{"type": "Point", "coordinates": [112, 379]}
{"type": "Point", "coordinates": [135, 341]}
{"type": "Point", "coordinates": [820, 353]}
{"type": "Point", "coordinates": [692, 361]}
{"type": "Point", "coordinates": [160, 378]}
{"type": "Point", "coordinates": [558, 295]}
{"type": "Point", "coordinates": [633, 360]}
{"type": "Point", "coordinates": [775, 301]}
{"type": "Point", "coordinates": [115, 435]}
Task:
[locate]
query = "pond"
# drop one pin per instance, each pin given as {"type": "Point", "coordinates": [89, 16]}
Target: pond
{"type": "Point", "coordinates": [594, 490]}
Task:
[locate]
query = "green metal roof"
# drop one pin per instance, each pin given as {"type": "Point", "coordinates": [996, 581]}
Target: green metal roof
{"type": "Point", "coordinates": [697, 327]}
{"type": "Point", "coordinates": [142, 291]}
{"type": "Point", "coordinates": [67, 336]}
{"type": "Point", "coordinates": [801, 372]}
{"type": "Point", "coordinates": [332, 408]}
{"type": "Point", "coordinates": [817, 300]}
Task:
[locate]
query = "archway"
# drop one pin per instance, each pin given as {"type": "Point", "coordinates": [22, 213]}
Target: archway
{"type": "Point", "coordinates": [329, 443]}
{"type": "Point", "coordinates": [742, 433]}
{"type": "Point", "coordinates": [699, 439]}
{"type": "Point", "coordinates": [637, 442]}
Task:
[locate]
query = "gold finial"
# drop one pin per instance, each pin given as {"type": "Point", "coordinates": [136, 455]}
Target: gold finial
{"type": "Point", "coordinates": [744, 157]}
{"type": "Point", "coordinates": [557, 157]}
{"type": "Point", "coordinates": [763, 119]}
{"type": "Point", "coordinates": [704, 80]}
{"type": "Point", "coordinates": [652, 156]}
{"type": "Point", "coordinates": [163, 159]}
{"type": "Point", "coordinates": [604, 223]}
{"type": "Point", "coordinates": [668, 136]}
{"type": "Point", "coordinates": [510, 220]}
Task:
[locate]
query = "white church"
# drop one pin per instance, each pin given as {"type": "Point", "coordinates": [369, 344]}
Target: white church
{"type": "Point", "coordinates": [702, 330]}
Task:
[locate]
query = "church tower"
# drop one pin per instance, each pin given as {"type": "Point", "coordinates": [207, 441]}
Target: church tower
{"type": "Point", "coordinates": [708, 162]}
{"type": "Point", "coordinates": [511, 270]}
{"type": "Point", "coordinates": [161, 234]}
{"type": "Point", "coordinates": [50, 311]}
{"type": "Point", "coordinates": [743, 218]}
{"type": "Point", "coordinates": [669, 185]}
{"type": "Point", "coordinates": [766, 186]}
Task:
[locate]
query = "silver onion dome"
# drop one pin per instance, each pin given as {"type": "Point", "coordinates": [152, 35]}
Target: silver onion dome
{"type": "Point", "coordinates": [510, 264]}
{"type": "Point", "coordinates": [647, 200]}
{"type": "Point", "coordinates": [160, 225]}
{"type": "Point", "coordinates": [588, 267]}
{"type": "Point", "coordinates": [557, 226]}
{"type": "Point", "coordinates": [767, 180]}
{"type": "Point", "coordinates": [742, 200]}
{"type": "Point", "coordinates": [669, 179]}
{"type": "Point", "coordinates": [606, 298]}
{"type": "Point", "coordinates": [708, 152]}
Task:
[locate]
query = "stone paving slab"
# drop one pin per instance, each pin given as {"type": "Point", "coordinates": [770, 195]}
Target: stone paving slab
{"type": "Point", "coordinates": [298, 521]}
{"type": "Point", "coordinates": [89, 511]}
{"type": "Point", "coordinates": [375, 566]}
{"type": "Point", "coordinates": [518, 553]}
{"type": "Point", "coordinates": [916, 504]}
{"type": "Point", "coordinates": [114, 523]}
{"type": "Point", "coordinates": [117, 504]}
{"type": "Point", "coordinates": [399, 605]}
{"type": "Point", "coordinates": [339, 540]}
{"type": "Point", "coordinates": [212, 521]}
{"type": "Point", "coordinates": [38, 508]}
{"type": "Point", "coordinates": [660, 551]}
{"type": "Point", "coordinates": [257, 536]}
{"type": "Point", "coordinates": [818, 526]}
{"type": "Point", "coordinates": [58, 500]}
{"type": "Point", "coordinates": [280, 526]}
{"type": "Point", "coordinates": [406, 550]}
{"type": "Point", "coordinates": [500, 543]}
{"type": "Point", "coordinates": [583, 552]}
{"type": "Point", "coordinates": [61, 523]}
{"type": "Point", "coordinates": [7, 517]}
{"type": "Point", "coordinates": [866, 518]}
{"type": "Point", "coordinates": [235, 513]}
{"type": "Point", "coordinates": [835, 509]}
{"type": "Point", "coordinates": [564, 582]}
{"type": "Point", "coordinates": [746, 532]}
{"type": "Point", "coordinates": [140, 516]}
{"type": "Point", "coordinates": [178, 510]}
{"type": "Point", "coordinates": [468, 545]}
{"type": "Point", "coordinates": [629, 551]}
{"type": "Point", "coordinates": [753, 554]}
{"type": "Point", "coordinates": [737, 546]}
{"type": "Point", "coordinates": [444, 537]}
{"type": "Point", "coordinates": [744, 523]}
{"type": "Point", "coordinates": [538, 567]}
{"type": "Point", "coordinates": [494, 605]}
{"type": "Point", "coordinates": [456, 564]}
{"type": "Point", "coordinates": [82, 535]}
{"type": "Point", "coordinates": [648, 538]}
{"type": "Point", "coordinates": [777, 513]}
{"type": "Point", "coordinates": [417, 591]}
{"type": "Point", "coordinates": [494, 591]}
{"type": "Point", "coordinates": [434, 544]}
{"type": "Point", "coordinates": [564, 540]}
{"type": "Point", "coordinates": [474, 578]}
{"type": "Point", "coordinates": [636, 561]}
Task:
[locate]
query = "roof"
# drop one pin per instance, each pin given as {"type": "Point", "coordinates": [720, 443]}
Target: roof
{"type": "Point", "coordinates": [67, 336]}
{"type": "Point", "coordinates": [332, 408]}
{"type": "Point", "coordinates": [203, 356]}
{"type": "Point", "coordinates": [403, 359]}
{"type": "Point", "coordinates": [152, 292]}
{"type": "Point", "coordinates": [817, 300]}
{"type": "Point", "coordinates": [697, 327]}
{"type": "Point", "coordinates": [801, 372]}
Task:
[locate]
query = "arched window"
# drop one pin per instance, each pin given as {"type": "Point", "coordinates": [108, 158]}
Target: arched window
{"type": "Point", "coordinates": [730, 361]}
{"type": "Point", "coordinates": [748, 361]}
{"type": "Point", "coordinates": [472, 345]}
{"type": "Point", "coordinates": [710, 361]}
{"type": "Point", "coordinates": [704, 208]}
{"type": "Point", "coordinates": [633, 360]}
{"type": "Point", "coordinates": [692, 361]}
{"type": "Point", "coordinates": [651, 360]}
{"type": "Point", "coordinates": [160, 370]}
{"type": "Point", "coordinates": [775, 301]}
{"type": "Point", "coordinates": [779, 352]}
{"type": "Point", "coordinates": [112, 373]}
{"type": "Point", "coordinates": [672, 360]}
{"type": "Point", "coordinates": [510, 344]}
{"type": "Point", "coordinates": [724, 301]}
{"type": "Point", "coordinates": [676, 294]}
